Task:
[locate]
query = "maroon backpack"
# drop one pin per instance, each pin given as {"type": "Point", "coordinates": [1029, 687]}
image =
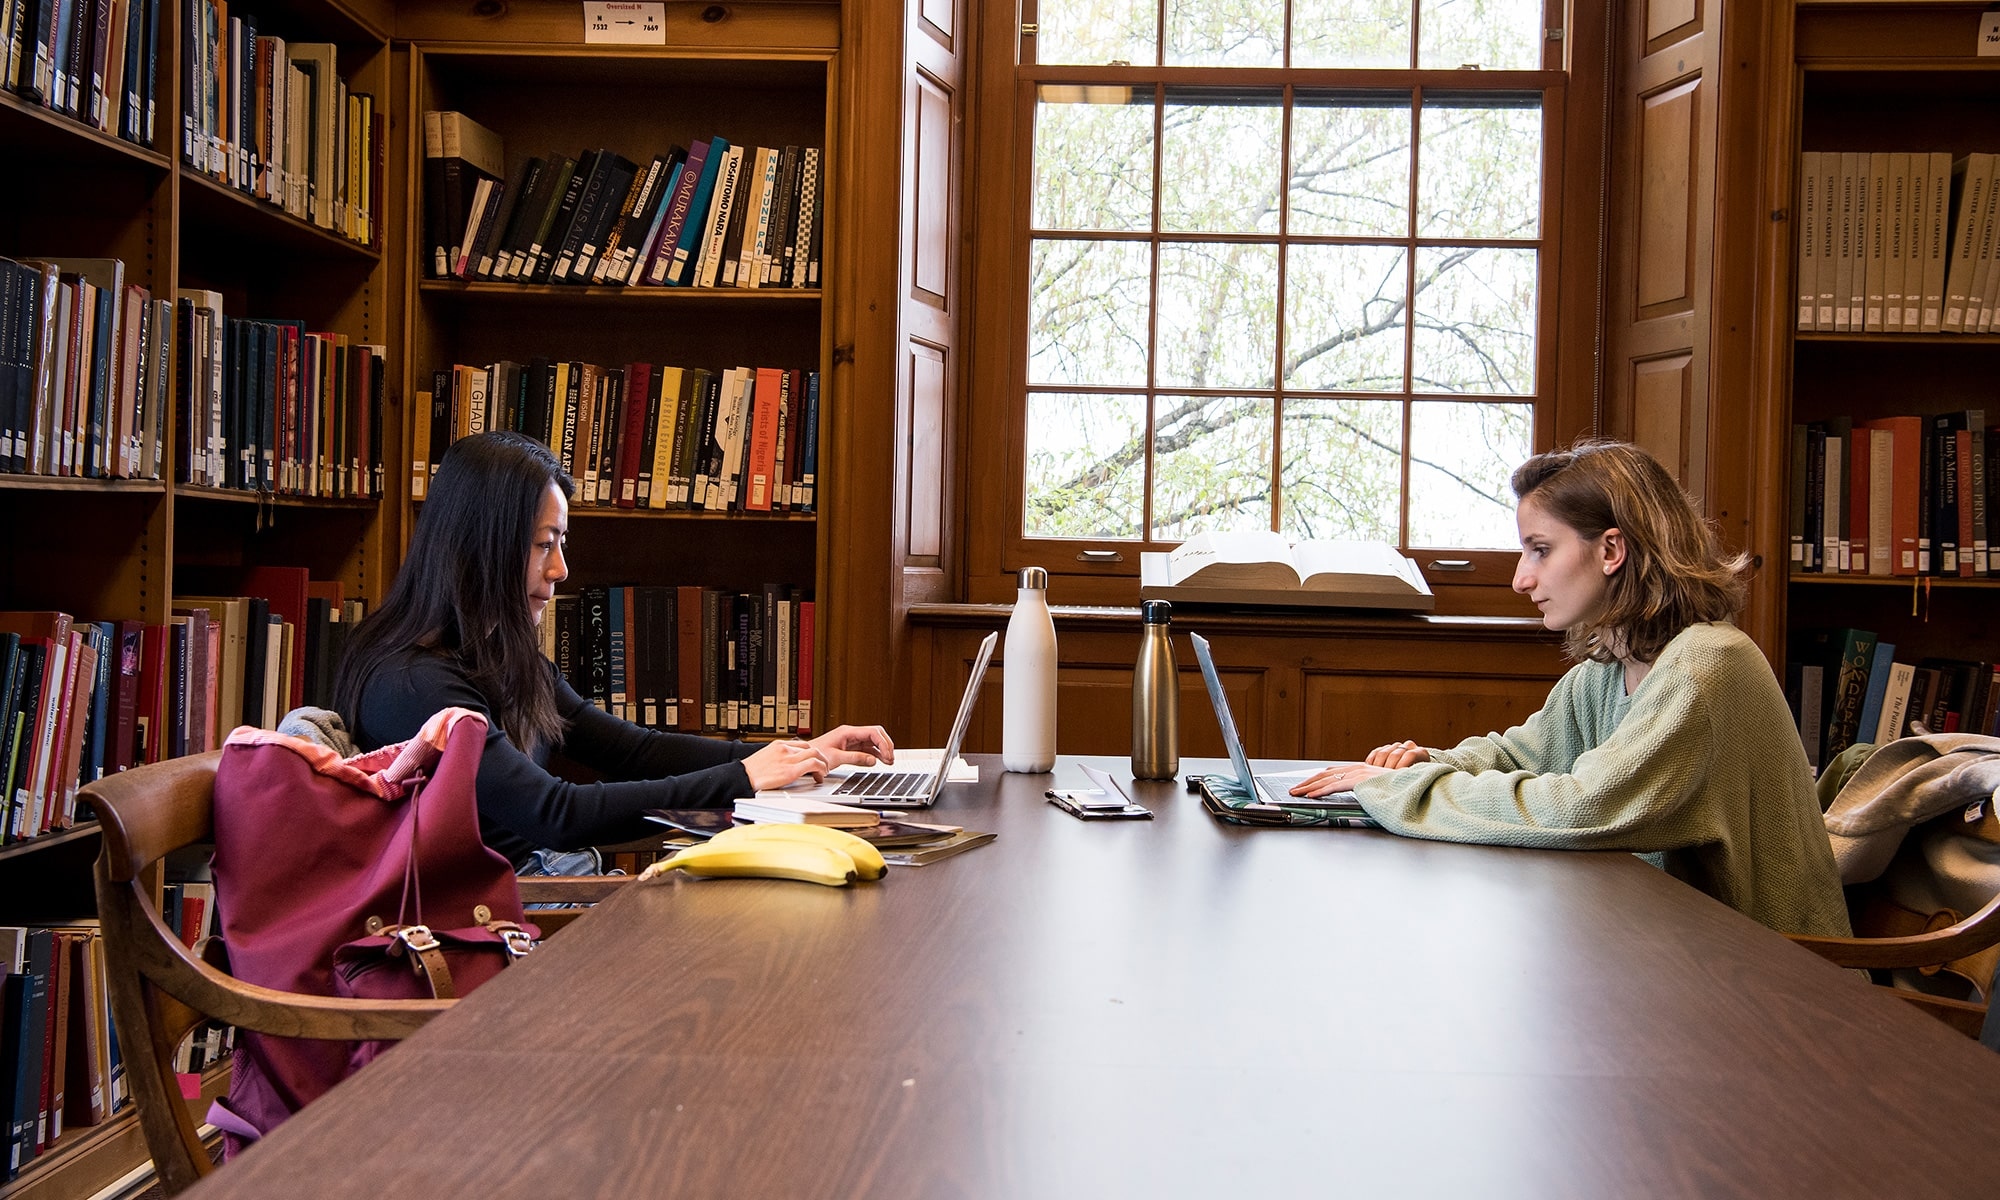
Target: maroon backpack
{"type": "Point", "coordinates": [361, 876]}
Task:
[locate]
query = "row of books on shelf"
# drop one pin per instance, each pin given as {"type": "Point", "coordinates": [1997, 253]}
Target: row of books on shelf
{"type": "Point", "coordinates": [60, 1065]}
{"type": "Point", "coordinates": [1846, 686]}
{"type": "Point", "coordinates": [83, 699]}
{"type": "Point", "coordinates": [275, 120]}
{"type": "Point", "coordinates": [90, 365]}
{"type": "Point", "coordinates": [85, 365]}
{"type": "Point", "coordinates": [641, 436]}
{"type": "Point", "coordinates": [271, 406]}
{"type": "Point", "coordinates": [710, 214]}
{"type": "Point", "coordinates": [86, 59]}
{"type": "Point", "coordinates": [689, 658]}
{"type": "Point", "coordinates": [1897, 242]}
{"type": "Point", "coordinates": [1908, 495]}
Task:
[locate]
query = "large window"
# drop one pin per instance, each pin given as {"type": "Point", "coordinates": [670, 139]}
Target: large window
{"type": "Point", "coordinates": [1285, 267]}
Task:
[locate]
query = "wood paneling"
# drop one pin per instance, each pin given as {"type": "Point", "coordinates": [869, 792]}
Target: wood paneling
{"type": "Point", "coordinates": [925, 464]}
{"type": "Point", "coordinates": [1661, 389]}
{"type": "Point", "coordinates": [933, 96]}
{"type": "Point", "coordinates": [938, 20]}
{"type": "Point", "coordinates": [1665, 17]}
{"type": "Point", "coordinates": [1350, 713]}
{"type": "Point", "coordinates": [930, 251]}
{"type": "Point", "coordinates": [1666, 204]}
{"type": "Point", "coordinates": [1662, 194]}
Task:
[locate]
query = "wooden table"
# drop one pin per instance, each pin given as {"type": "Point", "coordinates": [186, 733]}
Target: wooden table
{"type": "Point", "coordinates": [1163, 1008]}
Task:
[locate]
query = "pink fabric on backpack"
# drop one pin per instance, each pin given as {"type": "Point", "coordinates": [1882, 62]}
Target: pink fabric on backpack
{"type": "Point", "coordinates": [308, 847]}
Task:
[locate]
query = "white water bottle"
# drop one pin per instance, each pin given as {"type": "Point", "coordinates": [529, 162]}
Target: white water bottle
{"type": "Point", "coordinates": [1028, 679]}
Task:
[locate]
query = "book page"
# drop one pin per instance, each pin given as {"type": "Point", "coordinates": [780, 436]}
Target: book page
{"type": "Point", "coordinates": [1251, 558]}
{"type": "Point", "coordinates": [1356, 566]}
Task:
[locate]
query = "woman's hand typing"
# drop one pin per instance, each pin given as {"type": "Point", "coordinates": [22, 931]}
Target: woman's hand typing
{"type": "Point", "coordinates": [782, 763]}
{"type": "Point", "coordinates": [787, 762]}
{"type": "Point", "coordinates": [855, 746]}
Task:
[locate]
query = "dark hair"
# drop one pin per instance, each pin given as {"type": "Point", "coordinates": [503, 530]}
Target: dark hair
{"type": "Point", "coordinates": [462, 589]}
{"type": "Point", "coordinates": [1675, 574]}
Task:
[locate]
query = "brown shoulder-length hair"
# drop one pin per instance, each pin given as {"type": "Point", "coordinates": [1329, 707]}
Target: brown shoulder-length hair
{"type": "Point", "coordinates": [462, 589]}
{"type": "Point", "coordinates": [1676, 573]}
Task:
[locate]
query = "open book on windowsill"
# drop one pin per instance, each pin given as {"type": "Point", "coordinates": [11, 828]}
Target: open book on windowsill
{"type": "Point", "coordinates": [1263, 568]}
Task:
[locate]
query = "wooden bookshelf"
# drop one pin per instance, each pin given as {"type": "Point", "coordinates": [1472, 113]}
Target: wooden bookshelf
{"type": "Point", "coordinates": [122, 549]}
{"type": "Point", "coordinates": [544, 98]}
{"type": "Point", "coordinates": [1880, 75]}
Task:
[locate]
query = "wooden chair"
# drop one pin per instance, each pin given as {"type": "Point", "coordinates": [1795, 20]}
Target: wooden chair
{"type": "Point", "coordinates": [1893, 937]}
{"type": "Point", "coordinates": [160, 991]}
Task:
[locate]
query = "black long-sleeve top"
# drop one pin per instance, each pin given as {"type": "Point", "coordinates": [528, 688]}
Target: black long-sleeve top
{"type": "Point", "coordinates": [522, 807]}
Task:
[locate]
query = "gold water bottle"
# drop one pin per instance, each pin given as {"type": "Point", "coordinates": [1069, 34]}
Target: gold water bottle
{"type": "Point", "coordinates": [1155, 697]}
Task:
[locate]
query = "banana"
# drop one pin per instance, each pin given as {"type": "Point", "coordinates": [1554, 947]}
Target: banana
{"type": "Point", "coordinates": [769, 858]}
{"type": "Point", "coordinates": [868, 862]}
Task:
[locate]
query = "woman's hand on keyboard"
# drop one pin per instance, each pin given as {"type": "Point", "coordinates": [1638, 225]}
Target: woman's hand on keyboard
{"type": "Point", "coordinates": [782, 763]}
{"type": "Point", "coordinates": [855, 746]}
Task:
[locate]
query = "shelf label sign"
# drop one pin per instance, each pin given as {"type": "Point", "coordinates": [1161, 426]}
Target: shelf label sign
{"type": "Point", "coordinates": [1989, 35]}
{"type": "Point", "coordinates": [623, 23]}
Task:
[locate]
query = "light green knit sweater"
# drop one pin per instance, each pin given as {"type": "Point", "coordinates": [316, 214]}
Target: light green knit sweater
{"type": "Point", "coordinates": [1700, 771]}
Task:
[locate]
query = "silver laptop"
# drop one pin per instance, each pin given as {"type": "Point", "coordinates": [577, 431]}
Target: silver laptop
{"type": "Point", "coordinates": [874, 788]}
{"type": "Point", "coordinates": [1270, 789]}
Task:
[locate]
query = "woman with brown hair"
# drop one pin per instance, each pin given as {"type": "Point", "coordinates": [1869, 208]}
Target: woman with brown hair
{"type": "Point", "coordinates": [1669, 738]}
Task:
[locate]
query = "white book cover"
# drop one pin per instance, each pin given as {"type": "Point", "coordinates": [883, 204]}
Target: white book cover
{"type": "Point", "coordinates": [1857, 278]}
{"type": "Point", "coordinates": [1848, 204]}
{"type": "Point", "coordinates": [1982, 251]}
{"type": "Point", "coordinates": [1870, 282]}
{"type": "Point", "coordinates": [1829, 231]}
{"type": "Point", "coordinates": [1808, 221]}
{"type": "Point", "coordinates": [1881, 499]}
{"type": "Point", "coordinates": [756, 258]}
{"type": "Point", "coordinates": [1897, 238]}
{"type": "Point", "coordinates": [1895, 703]}
{"type": "Point", "coordinates": [1833, 501]}
{"type": "Point", "coordinates": [731, 426]}
{"type": "Point", "coordinates": [1990, 293]}
{"type": "Point", "coordinates": [1812, 677]}
{"type": "Point", "coordinates": [722, 200]}
{"type": "Point", "coordinates": [1936, 233]}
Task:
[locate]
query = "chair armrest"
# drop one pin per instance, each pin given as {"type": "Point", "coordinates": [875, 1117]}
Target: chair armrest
{"type": "Point", "coordinates": [1970, 936]}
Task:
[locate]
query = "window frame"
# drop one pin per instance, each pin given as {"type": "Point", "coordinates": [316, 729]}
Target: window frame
{"type": "Point", "coordinates": [1106, 571]}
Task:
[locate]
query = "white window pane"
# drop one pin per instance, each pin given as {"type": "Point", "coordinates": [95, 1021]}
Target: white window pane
{"type": "Point", "coordinates": [1097, 31]}
{"type": "Point", "coordinates": [1351, 33]}
{"type": "Point", "coordinates": [1342, 469]}
{"type": "Point", "coordinates": [1219, 160]}
{"type": "Point", "coordinates": [1225, 33]}
{"type": "Point", "coordinates": [1093, 159]}
{"type": "Point", "coordinates": [1350, 166]}
{"type": "Point", "coordinates": [1475, 321]}
{"type": "Point", "coordinates": [1479, 170]}
{"type": "Point", "coordinates": [1498, 35]}
{"type": "Point", "coordinates": [1086, 466]}
{"type": "Point", "coordinates": [1211, 464]}
{"type": "Point", "coordinates": [1344, 318]}
{"type": "Point", "coordinates": [1462, 455]}
{"type": "Point", "coordinates": [1088, 304]}
{"type": "Point", "coordinates": [1218, 314]}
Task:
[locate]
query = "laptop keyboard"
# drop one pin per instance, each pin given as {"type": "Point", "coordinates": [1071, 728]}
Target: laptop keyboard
{"type": "Point", "coordinates": [884, 783]}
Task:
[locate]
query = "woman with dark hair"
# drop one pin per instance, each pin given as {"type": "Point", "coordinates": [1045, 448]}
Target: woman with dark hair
{"type": "Point", "coordinates": [458, 629]}
{"type": "Point", "coordinates": [1669, 738]}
